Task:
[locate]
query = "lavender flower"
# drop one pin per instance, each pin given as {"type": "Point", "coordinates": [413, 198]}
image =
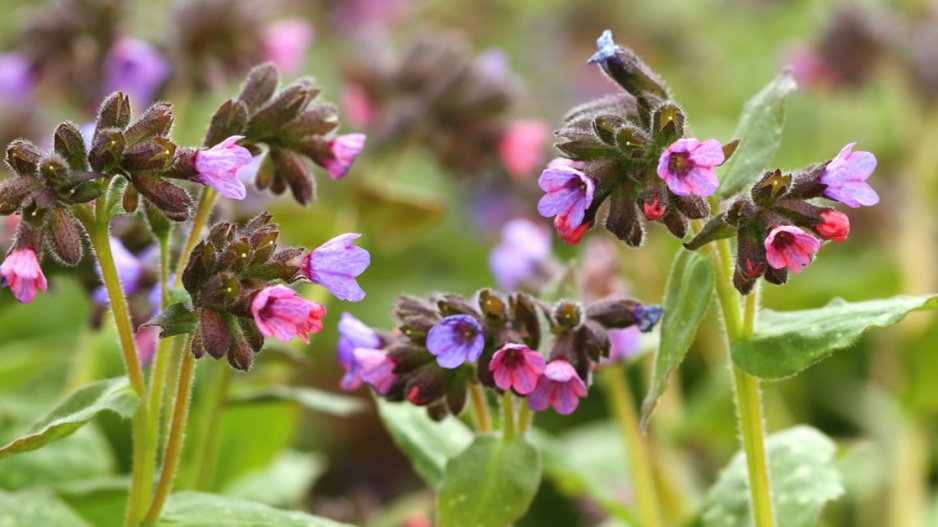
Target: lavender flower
{"type": "Point", "coordinates": [455, 340]}
{"type": "Point", "coordinates": [135, 67]}
{"type": "Point", "coordinates": [376, 369]}
{"type": "Point", "coordinates": [130, 271]}
{"type": "Point", "coordinates": [525, 245]}
{"type": "Point", "coordinates": [335, 264]}
{"type": "Point", "coordinates": [569, 193]}
{"type": "Point", "coordinates": [845, 177]}
{"type": "Point", "coordinates": [624, 344]}
{"type": "Point", "coordinates": [218, 167]}
{"type": "Point", "coordinates": [345, 149]}
{"type": "Point", "coordinates": [353, 334]}
{"type": "Point", "coordinates": [16, 78]}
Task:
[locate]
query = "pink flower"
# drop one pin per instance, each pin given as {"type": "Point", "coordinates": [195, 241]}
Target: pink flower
{"type": "Point", "coordinates": [654, 210]}
{"type": "Point", "coordinates": [521, 148]}
{"type": "Point", "coordinates": [788, 246]}
{"type": "Point", "coordinates": [359, 110]}
{"type": "Point", "coordinates": [623, 344]}
{"type": "Point", "coordinates": [569, 193]}
{"type": "Point", "coordinates": [279, 312]}
{"type": "Point", "coordinates": [345, 149]}
{"type": "Point", "coordinates": [286, 42]}
{"type": "Point", "coordinates": [845, 177]}
{"type": "Point", "coordinates": [836, 226]}
{"type": "Point", "coordinates": [568, 235]}
{"type": "Point", "coordinates": [218, 167]}
{"type": "Point", "coordinates": [376, 369]}
{"type": "Point", "coordinates": [687, 166]}
{"type": "Point", "coordinates": [558, 162]}
{"type": "Point", "coordinates": [21, 272]}
{"type": "Point", "coordinates": [146, 340]}
{"type": "Point", "coordinates": [517, 366]}
{"type": "Point", "coordinates": [559, 387]}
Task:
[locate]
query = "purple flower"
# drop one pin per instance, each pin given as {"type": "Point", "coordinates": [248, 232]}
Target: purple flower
{"type": "Point", "coordinates": [280, 312]}
{"type": "Point", "coordinates": [559, 387]}
{"type": "Point", "coordinates": [569, 193]}
{"type": "Point", "coordinates": [135, 67]}
{"type": "Point", "coordinates": [376, 369]}
{"type": "Point", "coordinates": [845, 177]}
{"type": "Point", "coordinates": [788, 246]}
{"type": "Point", "coordinates": [20, 271]}
{"type": "Point", "coordinates": [16, 78]}
{"type": "Point", "coordinates": [353, 334]}
{"type": "Point", "coordinates": [606, 49]}
{"type": "Point", "coordinates": [525, 245]}
{"type": "Point", "coordinates": [624, 344]}
{"type": "Point", "coordinates": [286, 42]}
{"type": "Point", "coordinates": [647, 316]}
{"type": "Point", "coordinates": [344, 148]}
{"type": "Point", "coordinates": [456, 339]}
{"type": "Point", "coordinates": [687, 166]}
{"type": "Point", "coordinates": [218, 167]}
{"type": "Point", "coordinates": [130, 271]}
{"type": "Point", "coordinates": [146, 340]}
{"type": "Point", "coordinates": [335, 264]}
{"type": "Point", "coordinates": [517, 366]}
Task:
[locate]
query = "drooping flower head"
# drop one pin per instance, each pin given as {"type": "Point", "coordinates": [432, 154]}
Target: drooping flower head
{"type": "Point", "coordinates": [836, 226]}
{"type": "Point", "coordinates": [521, 147]}
{"type": "Point", "coordinates": [517, 366]}
{"type": "Point", "coordinates": [286, 43]}
{"type": "Point", "coordinates": [455, 340]}
{"type": "Point", "coordinates": [335, 264]}
{"type": "Point", "coordinates": [845, 177]}
{"type": "Point", "coordinates": [525, 245]}
{"type": "Point", "coordinates": [218, 167]}
{"type": "Point", "coordinates": [569, 193]}
{"type": "Point", "coordinates": [281, 313]}
{"type": "Point", "coordinates": [353, 334]}
{"type": "Point", "coordinates": [20, 272]}
{"type": "Point", "coordinates": [560, 387]}
{"type": "Point", "coordinates": [788, 246]}
{"type": "Point", "coordinates": [135, 67]}
{"type": "Point", "coordinates": [376, 369]}
{"type": "Point", "coordinates": [344, 148]}
{"type": "Point", "coordinates": [687, 166]}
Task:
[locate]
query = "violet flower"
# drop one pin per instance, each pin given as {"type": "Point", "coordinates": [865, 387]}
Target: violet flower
{"type": "Point", "coordinates": [455, 340]}
{"type": "Point", "coordinates": [569, 193]}
{"type": "Point", "coordinates": [376, 369]}
{"type": "Point", "coordinates": [20, 272]}
{"type": "Point", "coordinates": [130, 271]}
{"type": "Point", "coordinates": [218, 167]}
{"type": "Point", "coordinates": [286, 43]}
{"type": "Point", "coordinates": [524, 246]}
{"type": "Point", "coordinates": [559, 387]}
{"type": "Point", "coordinates": [281, 313]}
{"type": "Point", "coordinates": [16, 78]}
{"type": "Point", "coordinates": [788, 246]}
{"type": "Point", "coordinates": [624, 343]}
{"type": "Point", "coordinates": [344, 148]}
{"type": "Point", "coordinates": [335, 264]}
{"type": "Point", "coordinates": [687, 166]}
{"type": "Point", "coordinates": [353, 334]}
{"type": "Point", "coordinates": [516, 366]}
{"type": "Point", "coordinates": [845, 177]}
{"type": "Point", "coordinates": [135, 67]}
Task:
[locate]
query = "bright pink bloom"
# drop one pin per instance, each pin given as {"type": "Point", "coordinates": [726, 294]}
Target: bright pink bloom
{"type": "Point", "coordinates": [218, 167]}
{"type": "Point", "coordinates": [376, 369]}
{"type": "Point", "coordinates": [279, 312]}
{"type": "Point", "coordinates": [808, 68]}
{"type": "Point", "coordinates": [521, 148]}
{"type": "Point", "coordinates": [687, 166]}
{"type": "Point", "coordinates": [836, 226]}
{"type": "Point", "coordinates": [359, 110]}
{"type": "Point", "coordinates": [569, 193]}
{"type": "Point", "coordinates": [559, 387]}
{"type": "Point", "coordinates": [788, 246]}
{"type": "Point", "coordinates": [345, 149]}
{"type": "Point", "coordinates": [286, 42]}
{"type": "Point", "coordinates": [568, 235]}
{"type": "Point", "coordinates": [654, 210]}
{"type": "Point", "coordinates": [845, 177]}
{"type": "Point", "coordinates": [21, 272]}
{"type": "Point", "coordinates": [517, 366]}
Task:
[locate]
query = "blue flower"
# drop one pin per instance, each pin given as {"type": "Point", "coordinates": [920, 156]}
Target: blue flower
{"type": "Point", "coordinates": [455, 340]}
{"type": "Point", "coordinates": [607, 49]}
{"type": "Point", "coordinates": [335, 265]}
{"type": "Point", "coordinates": [646, 317]}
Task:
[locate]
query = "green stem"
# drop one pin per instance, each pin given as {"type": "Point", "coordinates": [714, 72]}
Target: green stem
{"type": "Point", "coordinates": [161, 360]}
{"type": "Point", "coordinates": [211, 413]}
{"type": "Point", "coordinates": [176, 432]}
{"type": "Point", "coordinates": [202, 211]}
{"type": "Point", "coordinates": [623, 406]}
{"type": "Point", "coordinates": [481, 409]}
{"type": "Point", "coordinates": [525, 417]}
{"type": "Point", "coordinates": [508, 416]}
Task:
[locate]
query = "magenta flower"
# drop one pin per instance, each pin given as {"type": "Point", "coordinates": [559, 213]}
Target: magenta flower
{"type": "Point", "coordinates": [281, 313]}
{"type": "Point", "coordinates": [359, 110]}
{"type": "Point", "coordinates": [624, 344]}
{"type": "Point", "coordinates": [517, 366]}
{"type": "Point", "coordinates": [687, 166]}
{"type": "Point", "coordinates": [345, 149]}
{"type": "Point", "coordinates": [525, 246]}
{"type": "Point", "coordinates": [335, 264]}
{"type": "Point", "coordinates": [568, 235]}
{"type": "Point", "coordinates": [135, 67]}
{"type": "Point", "coordinates": [521, 148]}
{"type": "Point", "coordinates": [836, 226]}
{"type": "Point", "coordinates": [286, 43]}
{"type": "Point", "coordinates": [845, 177]}
{"type": "Point", "coordinates": [569, 193]}
{"type": "Point", "coordinates": [376, 369]}
{"type": "Point", "coordinates": [218, 167]}
{"type": "Point", "coordinates": [788, 246]}
{"type": "Point", "coordinates": [353, 334]}
{"type": "Point", "coordinates": [559, 387]}
{"type": "Point", "coordinates": [21, 272]}
{"type": "Point", "coordinates": [455, 340]}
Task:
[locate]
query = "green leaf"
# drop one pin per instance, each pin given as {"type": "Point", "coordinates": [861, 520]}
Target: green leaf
{"type": "Point", "coordinates": [686, 297]}
{"type": "Point", "coordinates": [174, 320]}
{"type": "Point", "coordinates": [83, 455]}
{"type": "Point", "coordinates": [282, 484]}
{"type": "Point", "coordinates": [113, 395]}
{"type": "Point", "coordinates": [760, 128]}
{"type": "Point", "coordinates": [492, 483]}
{"type": "Point", "coordinates": [428, 444]}
{"type": "Point", "coordinates": [34, 509]}
{"type": "Point", "coordinates": [309, 398]}
{"type": "Point", "coordinates": [160, 225]}
{"type": "Point", "coordinates": [802, 478]}
{"type": "Point", "coordinates": [114, 203]}
{"type": "Point", "coordinates": [787, 342]}
{"type": "Point", "coordinates": [199, 509]}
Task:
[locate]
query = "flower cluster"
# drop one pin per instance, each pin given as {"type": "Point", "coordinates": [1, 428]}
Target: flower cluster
{"type": "Point", "coordinates": [629, 148]}
{"type": "Point", "coordinates": [445, 344]}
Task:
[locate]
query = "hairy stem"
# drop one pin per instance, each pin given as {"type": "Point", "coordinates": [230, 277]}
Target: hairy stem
{"type": "Point", "coordinates": [210, 416]}
{"type": "Point", "coordinates": [620, 400]}
{"type": "Point", "coordinates": [202, 211]}
{"type": "Point", "coordinates": [481, 409]}
{"type": "Point", "coordinates": [508, 416]}
{"type": "Point", "coordinates": [525, 417]}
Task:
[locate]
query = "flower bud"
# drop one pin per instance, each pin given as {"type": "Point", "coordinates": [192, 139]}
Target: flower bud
{"type": "Point", "coordinates": [836, 226]}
